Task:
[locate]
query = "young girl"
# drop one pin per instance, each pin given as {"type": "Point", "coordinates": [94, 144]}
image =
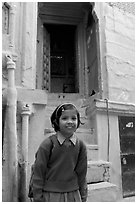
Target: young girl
{"type": "Point", "coordinates": [61, 161]}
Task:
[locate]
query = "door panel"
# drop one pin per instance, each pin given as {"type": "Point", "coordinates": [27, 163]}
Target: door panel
{"type": "Point", "coordinates": [92, 60]}
{"type": "Point", "coordinates": [127, 146]}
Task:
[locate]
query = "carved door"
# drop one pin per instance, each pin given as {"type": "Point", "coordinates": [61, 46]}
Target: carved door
{"type": "Point", "coordinates": [46, 60]}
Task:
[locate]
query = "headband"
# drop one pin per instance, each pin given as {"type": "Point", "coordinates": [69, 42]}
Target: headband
{"type": "Point", "coordinates": [63, 105]}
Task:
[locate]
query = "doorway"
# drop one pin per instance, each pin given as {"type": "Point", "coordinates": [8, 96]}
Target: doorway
{"type": "Point", "coordinates": [63, 33]}
{"type": "Point", "coordinates": [63, 72]}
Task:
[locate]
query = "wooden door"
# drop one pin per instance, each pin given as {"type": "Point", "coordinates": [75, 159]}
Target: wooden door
{"type": "Point", "coordinates": [46, 60]}
{"type": "Point", "coordinates": [127, 147]}
{"type": "Point", "coordinates": [92, 58]}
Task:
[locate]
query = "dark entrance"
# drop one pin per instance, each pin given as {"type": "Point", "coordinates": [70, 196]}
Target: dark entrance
{"type": "Point", "coordinates": [127, 146]}
{"type": "Point", "coordinates": [62, 58]}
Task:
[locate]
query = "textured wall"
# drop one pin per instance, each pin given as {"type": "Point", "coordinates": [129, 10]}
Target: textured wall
{"type": "Point", "coordinates": [125, 6]}
{"type": "Point", "coordinates": [22, 36]}
{"type": "Point", "coordinates": [120, 54]}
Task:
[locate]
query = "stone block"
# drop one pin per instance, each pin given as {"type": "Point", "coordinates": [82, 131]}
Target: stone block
{"type": "Point", "coordinates": [98, 171]}
{"type": "Point", "coordinates": [120, 95]}
{"type": "Point", "coordinates": [123, 30]}
{"type": "Point", "coordinates": [103, 192]}
{"type": "Point", "coordinates": [117, 38]}
{"type": "Point", "coordinates": [119, 52]}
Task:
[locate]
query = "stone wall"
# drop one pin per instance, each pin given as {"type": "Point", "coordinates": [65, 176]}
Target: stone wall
{"type": "Point", "coordinates": [120, 54]}
{"type": "Point", "coordinates": [125, 6]}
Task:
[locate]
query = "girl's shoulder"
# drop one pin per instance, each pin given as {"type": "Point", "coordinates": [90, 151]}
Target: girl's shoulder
{"type": "Point", "coordinates": [82, 149]}
{"type": "Point", "coordinates": [48, 141]}
{"type": "Point", "coordinates": [80, 143]}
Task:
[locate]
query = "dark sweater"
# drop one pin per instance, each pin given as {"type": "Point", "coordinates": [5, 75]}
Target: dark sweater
{"type": "Point", "coordinates": [61, 170]}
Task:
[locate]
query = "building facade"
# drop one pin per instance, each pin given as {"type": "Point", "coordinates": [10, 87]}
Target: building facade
{"type": "Point", "coordinates": [54, 52]}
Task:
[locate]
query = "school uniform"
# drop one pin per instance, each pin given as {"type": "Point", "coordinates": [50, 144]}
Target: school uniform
{"type": "Point", "coordinates": [60, 171]}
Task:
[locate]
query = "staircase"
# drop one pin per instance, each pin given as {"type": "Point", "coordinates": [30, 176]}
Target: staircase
{"type": "Point", "coordinates": [100, 189]}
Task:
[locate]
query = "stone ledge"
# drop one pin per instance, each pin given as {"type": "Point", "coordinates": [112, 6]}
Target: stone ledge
{"type": "Point", "coordinates": [113, 107]}
{"type": "Point", "coordinates": [92, 147]}
{"type": "Point", "coordinates": [34, 96]}
{"type": "Point", "coordinates": [99, 163]}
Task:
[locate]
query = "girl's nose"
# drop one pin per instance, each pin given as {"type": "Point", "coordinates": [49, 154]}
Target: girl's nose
{"type": "Point", "coordinates": [69, 121]}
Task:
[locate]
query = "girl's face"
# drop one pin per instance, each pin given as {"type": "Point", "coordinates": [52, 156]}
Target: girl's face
{"type": "Point", "coordinates": [68, 122]}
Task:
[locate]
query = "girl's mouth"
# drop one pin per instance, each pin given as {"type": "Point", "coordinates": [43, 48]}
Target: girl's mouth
{"type": "Point", "coordinates": [69, 127]}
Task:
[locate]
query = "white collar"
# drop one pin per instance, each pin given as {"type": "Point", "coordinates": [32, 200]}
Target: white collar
{"type": "Point", "coordinates": [61, 138]}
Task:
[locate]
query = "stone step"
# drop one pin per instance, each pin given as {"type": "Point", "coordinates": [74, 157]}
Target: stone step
{"type": "Point", "coordinates": [103, 192]}
{"type": "Point", "coordinates": [98, 171]}
{"type": "Point", "coordinates": [92, 152]}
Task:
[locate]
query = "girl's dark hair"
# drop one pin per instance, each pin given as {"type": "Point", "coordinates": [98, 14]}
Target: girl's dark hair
{"type": "Point", "coordinates": [58, 112]}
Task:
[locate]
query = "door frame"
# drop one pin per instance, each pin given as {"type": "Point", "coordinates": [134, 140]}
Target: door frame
{"type": "Point", "coordinates": [81, 51]}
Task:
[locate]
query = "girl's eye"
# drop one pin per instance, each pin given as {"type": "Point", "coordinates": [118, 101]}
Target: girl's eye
{"type": "Point", "coordinates": [64, 118]}
{"type": "Point", "coordinates": [74, 118]}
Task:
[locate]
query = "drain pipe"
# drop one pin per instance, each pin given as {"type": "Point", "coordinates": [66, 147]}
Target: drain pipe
{"type": "Point", "coordinates": [108, 130]}
{"type": "Point", "coordinates": [24, 165]}
{"type": "Point", "coordinates": [11, 130]}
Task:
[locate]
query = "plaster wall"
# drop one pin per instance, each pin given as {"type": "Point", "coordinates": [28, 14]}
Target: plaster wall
{"type": "Point", "coordinates": [114, 152]}
{"type": "Point", "coordinates": [37, 101]}
{"type": "Point", "coordinates": [120, 54]}
{"type": "Point", "coordinates": [24, 42]}
{"type": "Point", "coordinates": [114, 146]}
{"type": "Point", "coordinates": [6, 192]}
{"type": "Point", "coordinates": [102, 135]}
{"type": "Point", "coordinates": [36, 130]}
{"type": "Point", "coordinates": [37, 123]}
